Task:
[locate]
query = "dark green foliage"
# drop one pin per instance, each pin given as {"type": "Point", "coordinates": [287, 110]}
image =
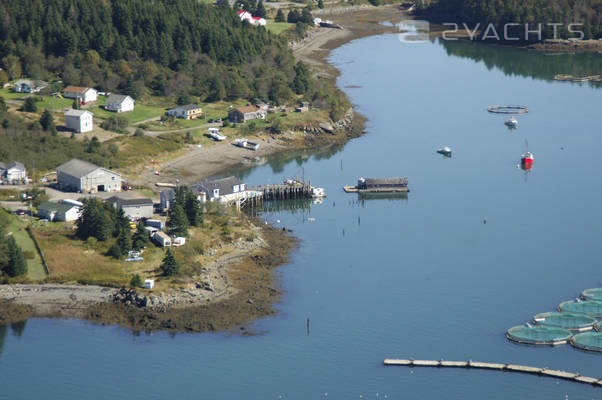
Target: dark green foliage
{"type": "Point", "coordinates": [193, 209]}
{"type": "Point", "coordinates": [141, 47]}
{"type": "Point", "coordinates": [3, 107]}
{"type": "Point", "coordinates": [184, 99]}
{"type": "Point", "coordinates": [169, 266]}
{"type": "Point", "coordinates": [47, 121]}
{"type": "Point", "coordinates": [306, 16]}
{"type": "Point", "coordinates": [280, 16]}
{"type": "Point", "coordinates": [30, 104]}
{"type": "Point", "coordinates": [38, 196]}
{"type": "Point", "coordinates": [76, 104]}
{"type": "Point", "coordinates": [177, 221]}
{"type": "Point", "coordinates": [16, 264]}
{"type": "Point", "coordinates": [124, 241]}
{"type": "Point", "coordinates": [302, 81]}
{"type": "Point", "coordinates": [499, 12]}
{"type": "Point", "coordinates": [115, 123]}
{"type": "Point", "coordinates": [115, 251]}
{"type": "Point", "coordinates": [293, 16]}
{"type": "Point", "coordinates": [94, 145]}
{"type": "Point", "coordinates": [320, 4]}
{"type": "Point", "coordinates": [260, 11]}
{"type": "Point", "coordinates": [374, 2]}
{"type": "Point", "coordinates": [95, 221]}
{"type": "Point", "coordinates": [136, 281]}
{"type": "Point", "coordinates": [140, 239]}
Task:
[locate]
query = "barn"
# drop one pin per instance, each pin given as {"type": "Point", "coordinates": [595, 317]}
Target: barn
{"type": "Point", "coordinates": [82, 176]}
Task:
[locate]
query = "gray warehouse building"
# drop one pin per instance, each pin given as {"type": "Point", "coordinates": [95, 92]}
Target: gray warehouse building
{"type": "Point", "coordinates": [82, 176]}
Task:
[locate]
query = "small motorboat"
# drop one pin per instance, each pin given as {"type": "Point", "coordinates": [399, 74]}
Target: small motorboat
{"type": "Point", "coordinates": [526, 161]}
{"type": "Point", "coordinates": [511, 123]}
{"type": "Point", "coordinates": [446, 151]}
{"type": "Point", "coordinates": [317, 192]}
{"type": "Point", "coordinates": [215, 135]}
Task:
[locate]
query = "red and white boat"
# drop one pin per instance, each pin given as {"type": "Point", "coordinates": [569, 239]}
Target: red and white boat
{"type": "Point", "coordinates": [526, 161]}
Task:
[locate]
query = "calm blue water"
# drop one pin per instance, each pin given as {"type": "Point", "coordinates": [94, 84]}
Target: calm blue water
{"type": "Point", "coordinates": [422, 277]}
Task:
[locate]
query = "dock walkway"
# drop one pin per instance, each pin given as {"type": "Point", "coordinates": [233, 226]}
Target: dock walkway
{"type": "Point", "coordinates": [496, 366]}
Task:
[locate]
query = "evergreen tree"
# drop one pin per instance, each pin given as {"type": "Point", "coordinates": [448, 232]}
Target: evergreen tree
{"type": "Point", "coordinates": [306, 17]}
{"type": "Point", "coordinates": [3, 107]}
{"type": "Point", "coordinates": [192, 206]}
{"type": "Point", "coordinates": [30, 105]}
{"type": "Point", "coordinates": [169, 266]}
{"type": "Point", "coordinates": [260, 11]}
{"type": "Point", "coordinates": [140, 239]}
{"type": "Point", "coordinates": [76, 104]}
{"type": "Point", "coordinates": [47, 121]}
{"type": "Point", "coordinates": [17, 264]}
{"type": "Point", "coordinates": [115, 251]}
{"type": "Point", "coordinates": [94, 221]}
{"type": "Point", "coordinates": [124, 241]}
{"type": "Point", "coordinates": [320, 4]}
{"type": "Point", "coordinates": [293, 16]}
{"type": "Point", "coordinates": [280, 16]}
{"type": "Point", "coordinates": [177, 221]}
{"type": "Point", "coordinates": [136, 281]}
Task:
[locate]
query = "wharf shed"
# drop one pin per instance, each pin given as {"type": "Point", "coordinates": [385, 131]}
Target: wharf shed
{"type": "Point", "coordinates": [82, 176]}
{"type": "Point", "coordinates": [381, 183]}
{"type": "Point", "coordinates": [133, 208]}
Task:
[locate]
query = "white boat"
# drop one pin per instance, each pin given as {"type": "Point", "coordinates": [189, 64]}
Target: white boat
{"type": "Point", "coordinates": [215, 135]}
{"type": "Point", "coordinates": [512, 122]}
{"type": "Point", "coordinates": [318, 192]}
{"type": "Point", "coordinates": [446, 151]}
{"type": "Point", "coordinates": [246, 144]}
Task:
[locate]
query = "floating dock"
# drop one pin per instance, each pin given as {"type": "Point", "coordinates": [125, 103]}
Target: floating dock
{"type": "Point", "coordinates": [373, 185]}
{"type": "Point", "coordinates": [497, 367]}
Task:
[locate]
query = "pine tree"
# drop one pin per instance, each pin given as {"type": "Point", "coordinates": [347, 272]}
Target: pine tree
{"type": "Point", "coordinates": [177, 221]}
{"type": "Point", "coordinates": [124, 241]}
{"type": "Point", "coordinates": [3, 107]}
{"type": "Point", "coordinates": [115, 251]}
{"type": "Point", "coordinates": [17, 264]}
{"type": "Point", "coordinates": [140, 239]}
{"type": "Point", "coordinates": [136, 281]}
{"type": "Point", "coordinates": [76, 104]}
{"type": "Point", "coordinates": [280, 16]}
{"type": "Point", "coordinates": [260, 11]}
{"type": "Point", "coordinates": [192, 206]}
{"type": "Point", "coordinates": [47, 121]}
{"type": "Point", "coordinates": [94, 221]}
{"type": "Point", "coordinates": [169, 266]}
{"type": "Point", "coordinates": [320, 4]}
{"type": "Point", "coordinates": [293, 16]}
{"type": "Point", "coordinates": [30, 105]}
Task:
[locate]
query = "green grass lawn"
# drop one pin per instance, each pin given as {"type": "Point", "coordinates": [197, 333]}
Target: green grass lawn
{"type": "Point", "coordinates": [35, 270]}
{"type": "Point", "coordinates": [277, 27]}
{"type": "Point", "coordinates": [141, 112]}
{"type": "Point", "coordinates": [53, 104]}
{"type": "Point", "coordinates": [10, 95]}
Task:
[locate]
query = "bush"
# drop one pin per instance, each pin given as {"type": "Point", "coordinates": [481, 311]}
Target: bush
{"type": "Point", "coordinates": [138, 132]}
{"type": "Point", "coordinates": [115, 123]}
{"type": "Point", "coordinates": [136, 281]}
{"type": "Point", "coordinates": [29, 254]}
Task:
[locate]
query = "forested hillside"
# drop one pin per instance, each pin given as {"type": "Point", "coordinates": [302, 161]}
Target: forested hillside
{"type": "Point", "coordinates": [163, 47]}
{"type": "Point", "coordinates": [499, 12]}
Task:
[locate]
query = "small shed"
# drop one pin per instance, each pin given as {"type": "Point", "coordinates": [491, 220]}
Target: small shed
{"type": "Point", "coordinates": [243, 114]}
{"type": "Point", "coordinates": [149, 283]}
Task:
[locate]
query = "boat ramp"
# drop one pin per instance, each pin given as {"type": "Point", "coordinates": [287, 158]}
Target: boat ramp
{"type": "Point", "coordinates": [571, 376]}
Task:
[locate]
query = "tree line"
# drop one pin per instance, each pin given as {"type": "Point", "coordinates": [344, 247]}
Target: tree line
{"type": "Point", "coordinates": [141, 47]}
{"type": "Point", "coordinates": [499, 12]}
{"type": "Point", "coordinates": [12, 259]}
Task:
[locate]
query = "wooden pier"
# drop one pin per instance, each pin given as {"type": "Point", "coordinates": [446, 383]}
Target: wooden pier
{"type": "Point", "coordinates": [288, 191]}
{"type": "Point", "coordinates": [498, 367]}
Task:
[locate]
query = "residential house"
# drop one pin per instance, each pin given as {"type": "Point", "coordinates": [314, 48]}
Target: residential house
{"type": "Point", "coordinates": [243, 114]}
{"type": "Point", "coordinates": [161, 238]}
{"type": "Point", "coordinates": [82, 176]}
{"type": "Point", "coordinates": [224, 189]}
{"type": "Point", "coordinates": [189, 111]}
{"type": "Point", "coordinates": [84, 94]}
{"type": "Point", "coordinates": [247, 16]}
{"type": "Point", "coordinates": [13, 172]}
{"type": "Point", "coordinates": [119, 103]}
{"type": "Point", "coordinates": [79, 121]}
{"type": "Point", "coordinates": [303, 106]}
{"type": "Point", "coordinates": [133, 208]}
{"type": "Point", "coordinates": [58, 211]}
{"type": "Point", "coordinates": [29, 86]}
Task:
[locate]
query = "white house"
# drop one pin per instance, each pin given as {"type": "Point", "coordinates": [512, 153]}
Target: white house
{"type": "Point", "coordinates": [189, 111]}
{"type": "Point", "coordinates": [82, 176]}
{"type": "Point", "coordinates": [119, 103]}
{"type": "Point", "coordinates": [13, 172]}
{"type": "Point", "coordinates": [84, 94]}
{"type": "Point", "coordinates": [58, 211]}
{"type": "Point", "coordinates": [225, 189]}
{"type": "Point", "coordinates": [29, 86]}
{"type": "Point", "coordinates": [247, 16]}
{"type": "Point", "coordinates": [79, 121]}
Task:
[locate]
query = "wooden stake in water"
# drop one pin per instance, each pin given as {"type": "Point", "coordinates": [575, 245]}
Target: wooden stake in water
{"type": "Point", "coordinates": [307, 326]}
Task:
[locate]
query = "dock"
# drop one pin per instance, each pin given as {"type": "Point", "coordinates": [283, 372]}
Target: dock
{"type": "Point", "coordinates": [570, 376]}
{"type": "Point", "coordinates": [379, 185]}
